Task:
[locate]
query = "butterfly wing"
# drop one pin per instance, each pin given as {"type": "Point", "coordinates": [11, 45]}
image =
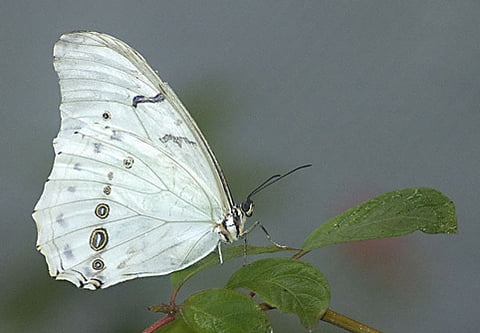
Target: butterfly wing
{"type": "Point", "coordinates": [134, 190]}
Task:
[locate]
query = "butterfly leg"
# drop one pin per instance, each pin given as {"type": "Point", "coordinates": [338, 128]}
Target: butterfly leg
{"type": "Point", "coordinates": [258, 223]}
{"type": "Point", "coordinates": [244, 251]}
{"type": "Point", "coordinates": [220, 256]}
{"type": "Point", "coordinates": [143, 99]}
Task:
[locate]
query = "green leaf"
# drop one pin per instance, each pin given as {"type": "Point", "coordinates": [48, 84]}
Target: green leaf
{"type": "Point", "coordinates": [289, 285]}
{"type": "Point", "coordinates": [223, 310]}
{"type": "Point", "coordinates": [179, 278]}
{"type": "Point", "coordinates": [392, 214]}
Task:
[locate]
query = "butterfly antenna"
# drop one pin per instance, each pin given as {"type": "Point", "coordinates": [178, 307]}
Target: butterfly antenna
{"type": "Point", "coordinates": [272, 180]}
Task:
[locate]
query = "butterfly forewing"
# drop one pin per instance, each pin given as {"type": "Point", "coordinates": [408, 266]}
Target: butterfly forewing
{"type": "Point", "coordinates": [134, 190]}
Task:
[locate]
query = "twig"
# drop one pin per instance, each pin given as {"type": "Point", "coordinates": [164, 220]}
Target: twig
{"type": "Point", "coordinates": [159, 323]}
{"type": "Point", "coordinates": [346, 323]}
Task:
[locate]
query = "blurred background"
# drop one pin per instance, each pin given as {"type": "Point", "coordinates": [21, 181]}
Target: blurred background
{"type": "Point", "coordinates": [378, 95]}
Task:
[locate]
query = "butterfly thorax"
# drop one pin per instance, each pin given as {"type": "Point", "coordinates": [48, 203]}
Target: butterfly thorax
{"type": "Point", "coordinates": [231, 227]}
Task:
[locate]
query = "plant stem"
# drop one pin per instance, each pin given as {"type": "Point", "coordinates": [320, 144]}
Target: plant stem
{"type": "Point", "coordinates": [346, 323]}
{"type": "Point", "coordinates": [159, 323]}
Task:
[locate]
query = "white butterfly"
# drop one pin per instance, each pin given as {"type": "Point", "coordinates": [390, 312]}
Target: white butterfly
{"type": "Point", "coordinates": [135, 190]}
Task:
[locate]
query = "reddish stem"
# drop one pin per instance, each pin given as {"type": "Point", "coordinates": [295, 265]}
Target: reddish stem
{"type": "Point", "coordinates": [159, 323]}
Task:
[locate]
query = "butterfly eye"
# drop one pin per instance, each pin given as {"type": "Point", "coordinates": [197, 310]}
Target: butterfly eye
{"type": "Point", "coordinates": [247, 207]}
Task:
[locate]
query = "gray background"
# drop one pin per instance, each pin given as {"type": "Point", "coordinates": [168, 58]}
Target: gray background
{"type": "Point", "coordinates": [378, 95]}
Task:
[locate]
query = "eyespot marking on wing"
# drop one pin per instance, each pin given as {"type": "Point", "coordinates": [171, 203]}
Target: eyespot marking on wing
{"type": "Point", "coordinates": [102, 210]}
{"type": "Point", "coordinates": [98, 264]}
{"type": "Point", "coordinates": [98, 239]}
{"type": "Point", "coordinates": [107, 190]}
{"type": "Point", "coordinates": [106, 115]}
{"type": "Point", "coordinates": [128, 162]}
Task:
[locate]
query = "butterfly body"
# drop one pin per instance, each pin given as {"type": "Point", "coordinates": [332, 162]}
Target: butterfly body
{"type": "Point", "coordinates": [135, 190]}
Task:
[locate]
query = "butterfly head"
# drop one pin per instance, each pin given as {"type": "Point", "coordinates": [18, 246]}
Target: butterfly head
{"type": "Point", "coordinates": [247, 207]}
{"type": "Point", "coordinates": [232, 226]}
